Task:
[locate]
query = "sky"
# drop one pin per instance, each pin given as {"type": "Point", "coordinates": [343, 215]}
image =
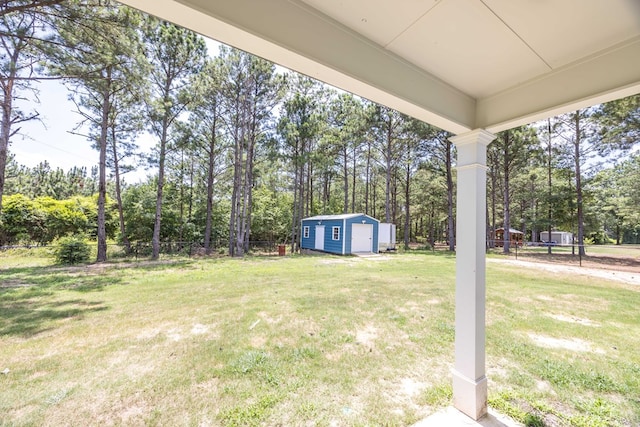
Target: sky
{"type": "Point", "coordinates": [52, 138]}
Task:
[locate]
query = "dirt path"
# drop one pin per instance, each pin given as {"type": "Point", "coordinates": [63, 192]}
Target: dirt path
{"type": "Point", "coordinates": [632, 278]}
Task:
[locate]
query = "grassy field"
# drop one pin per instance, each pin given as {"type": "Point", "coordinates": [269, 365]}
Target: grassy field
{"type": "Point", "coordinates": [297, 341]}
{"type": "Point", "coordinates": [632, 251]}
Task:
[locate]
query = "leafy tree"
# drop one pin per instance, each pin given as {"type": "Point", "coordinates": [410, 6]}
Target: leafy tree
{"type": "Point", "coordinates": [431, 204]}
{"type": "Point", "coordinates": [17, 60]}
{"type": "Point", "coordinates": [103, 53]}
{"type": "Point", "coordinates": [72, 250]}
{"type": "Point", "coordinates": [619, 124]}
{"type": "Point", "coordinates": [138, 207]}
{"type": "Point", "coordinates": [8, 7]}
{"type": "Point", "coordinates": [27, 37]}
{"type": "Point", "coordinates": [413, 157]}
{"type": "Point", "coordinates": [617, 191]}
{"type": "Point", "coordinates": [513, 147]}
{"type": "Point", "coordinates": [346, 134]}
{"type": "Point", "coordinates": [252, 90]}
{"type": "Point", "coordinates": [439, 160]}
{"type": "Point", "coordinates": [271, 215]}
{"type": "Point", "coordinates": [42, 180]}
{"type": "Point", "coordinates": [388, 127]}
{"type": "Point", "coordinates": [298, 128]}
{"type": "Point", "coordinates": [126, 121]}
{"type": "Point", "coordinates": [579, 135]}
{"type": "Point", "coordinates": [63, 217]}
{"type": "Point", "coordinates": [176, 54]}
{"type": "Point", "coordinates": [208, 118]}
{"type": "Point", "coordinates": [22, 221]}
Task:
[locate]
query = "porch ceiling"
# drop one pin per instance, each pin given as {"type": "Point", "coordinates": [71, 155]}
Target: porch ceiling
{"type": "Point", "coordinates": [457, 64]}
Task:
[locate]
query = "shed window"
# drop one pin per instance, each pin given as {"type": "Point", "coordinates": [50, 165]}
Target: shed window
{"type": "Point", "coordinates": [336, 233]}
{"type": "Point", "coordinates": [305, 231]}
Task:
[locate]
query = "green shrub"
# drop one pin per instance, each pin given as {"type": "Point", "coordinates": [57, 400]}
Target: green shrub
{"type": "Point", "coordinates": [72, 250]}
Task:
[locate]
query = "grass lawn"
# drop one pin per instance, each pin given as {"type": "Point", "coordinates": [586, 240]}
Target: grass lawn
{"type": "Point", "coordinates": [298, 341]}
{"type": "Point", "coordinates": [631, 251]}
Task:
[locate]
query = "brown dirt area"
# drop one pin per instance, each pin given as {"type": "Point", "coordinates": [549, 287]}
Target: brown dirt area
{"type": "Point", "coordinates": [599, 261]}
{"type": "Point", "coordinates": [620, 268]}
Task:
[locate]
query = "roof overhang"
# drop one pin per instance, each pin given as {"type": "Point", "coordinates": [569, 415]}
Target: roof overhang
{"type": "Point", "coordinates": [456, 64]}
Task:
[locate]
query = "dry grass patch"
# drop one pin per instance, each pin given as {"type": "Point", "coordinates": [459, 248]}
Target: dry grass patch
{"type": "Point", "coordinates": [305, 341]}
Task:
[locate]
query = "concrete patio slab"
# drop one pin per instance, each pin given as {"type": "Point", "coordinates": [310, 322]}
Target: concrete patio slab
{"type": "Point", "coordinates": [451, 417]}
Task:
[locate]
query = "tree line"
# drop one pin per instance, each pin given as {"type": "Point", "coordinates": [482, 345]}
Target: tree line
{"type": "Point", "coordinates": [244, 150]}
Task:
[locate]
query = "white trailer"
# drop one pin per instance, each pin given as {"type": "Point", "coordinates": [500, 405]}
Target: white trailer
{"type": "Point", "coordinates": [386, 237]}
{"type": "Point", "coordinates": [557, 237]}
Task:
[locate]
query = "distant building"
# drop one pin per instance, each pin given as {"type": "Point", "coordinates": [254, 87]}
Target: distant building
{"type": "Point", "coordinates": [386, 237]}
{"type": "Point", "coordinates": [516, 237]}
{"type": "Point", "coordinates": [557, 237]}
{"type": "Point", "coordinates": [340, 234]}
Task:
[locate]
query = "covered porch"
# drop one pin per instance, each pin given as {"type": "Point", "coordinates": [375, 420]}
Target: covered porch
{"type": "Point", "coordinates": [471, 67]}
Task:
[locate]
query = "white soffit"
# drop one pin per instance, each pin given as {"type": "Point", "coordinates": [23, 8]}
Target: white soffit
{"type": "Point", "coordinates": [473, 51]}
{"type": "Point", "coordinates": [457, 64]}
{"type": "Point", "coordinates": [562, 32]}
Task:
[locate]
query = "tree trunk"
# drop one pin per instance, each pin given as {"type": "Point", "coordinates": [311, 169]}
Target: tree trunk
{"type": "Point", "coordinates": [301, 178]}
{"type": "Point", "coordinates": [432, 225]}
{"type": "Point", "coordinates": [534, 212]}
{"type": "Point", "coordinates": [181, 204]}
{"type": "Point", "coordinates": [579, 201]}
{"type": "Point", "coordinates": [407, 216]}
{"type": "Point", "coordinates": [353, 182]}
{"type": "Point", "coordinates": [506, 200]}
{"type": "Point", "coordinates": [191, 176]}
{"type": "Point", "coordinates": [326, 192]}
{"type": "Point", "coordinates": [366, 184]}
{"type": "Point", "coordinates": [7, 121]}
{"type": "Point", "coordinates": [387, 195]}
{"type": "Point", "coordinates": [116, 171]}
{"type": "Point", "coordinates": [450, 221]}
{"type": "Point", "coordinates": [5, 132]}
{"type": "Point", "coordinates": [295, 210]}
{"type": "Point", "coordinates": [210, 168]}
{"type": "Point", "coordinates": [246, 220]}
{"type": "Point", "coordinates": [345, 171]}
{"type": "Point", "coordinates": [237, 154]}
{"type": "Point", "coordinates": [239, 238]}
{"type": "Point", "coordinates": [374, 198]}
{"type": "Point", "coordinates": [102, 166]}
{"type": "Point", "coordinates": [549, 188]}
{"type": "Point", "coordinates": [309, 190]}
{"type": "Point", "coordinates": [494, 185]}
{"type": "Point", "coordinates": [394, 197]}
{"type": "Point", "coordinates": [155, 241]}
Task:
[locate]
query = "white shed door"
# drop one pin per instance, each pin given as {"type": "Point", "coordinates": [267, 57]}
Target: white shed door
{"type": "Point", "coordinates": [320, 237]}
{"type": "Point", "coordinates": [361, 238]}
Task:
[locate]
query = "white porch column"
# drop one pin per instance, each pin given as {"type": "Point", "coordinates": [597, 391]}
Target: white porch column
{"type": "Point", "coordinates": [469, 380]}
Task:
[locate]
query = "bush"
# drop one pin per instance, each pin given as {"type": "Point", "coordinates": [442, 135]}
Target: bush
{"type": "Point", "coordinates": [72, 250]}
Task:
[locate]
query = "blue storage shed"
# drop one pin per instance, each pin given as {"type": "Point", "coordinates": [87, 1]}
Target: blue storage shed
{"type": "Point", "coordinates": [340, 234]}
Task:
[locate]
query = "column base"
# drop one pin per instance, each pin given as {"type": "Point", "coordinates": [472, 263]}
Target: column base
{"type": "Point", "coordinates": [470, 396]}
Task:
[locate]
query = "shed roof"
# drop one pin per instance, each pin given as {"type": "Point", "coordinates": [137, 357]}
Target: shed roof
{"type": "Point", "coordinates": [511, 230]}
{"type": "Point", "coordinates": [341, 216]}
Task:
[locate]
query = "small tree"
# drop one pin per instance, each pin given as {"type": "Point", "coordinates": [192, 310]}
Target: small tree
{"type": "Point", "coordinates": [72, 250]}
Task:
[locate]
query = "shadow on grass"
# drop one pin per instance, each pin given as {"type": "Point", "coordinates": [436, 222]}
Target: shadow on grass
{"type": "Point", "coordinates": [81, 279]}
{"type": "Point", "coordinates": [439, 252]}
{"type": "Point", "coordinates": [28, 317]}
{"type": "Point", "coordinates": [28, 303]}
